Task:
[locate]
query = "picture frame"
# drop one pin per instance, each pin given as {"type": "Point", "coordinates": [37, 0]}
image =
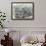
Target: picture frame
{"type": "Point", "coordinates": [22, 10]}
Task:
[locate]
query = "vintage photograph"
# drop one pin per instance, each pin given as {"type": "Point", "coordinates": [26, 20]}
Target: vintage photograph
{"type": "Point", "coordinates": [22, 10]}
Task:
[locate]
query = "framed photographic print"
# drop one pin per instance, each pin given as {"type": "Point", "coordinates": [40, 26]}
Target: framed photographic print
{"type": "Point", "coordinates": [22, 10]}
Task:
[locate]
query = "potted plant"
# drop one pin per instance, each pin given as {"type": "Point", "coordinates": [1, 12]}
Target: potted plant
{"type": "Point", "coordinates": [2, 19]}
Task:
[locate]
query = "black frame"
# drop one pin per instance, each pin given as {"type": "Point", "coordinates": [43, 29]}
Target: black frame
{"type": "Point", "coordinates": [21, 2]}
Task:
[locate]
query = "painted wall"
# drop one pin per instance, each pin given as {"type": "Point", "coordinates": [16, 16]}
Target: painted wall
{"type": "Point", "coordinates": [39, 13]}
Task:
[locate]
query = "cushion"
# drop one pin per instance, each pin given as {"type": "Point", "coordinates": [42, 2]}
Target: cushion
{"type": "Point", "coordinates": [26, 39]}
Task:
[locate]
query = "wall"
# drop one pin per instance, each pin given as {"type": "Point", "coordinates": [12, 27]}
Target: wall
{"type": "Point", "coordinates": [39, 13]}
